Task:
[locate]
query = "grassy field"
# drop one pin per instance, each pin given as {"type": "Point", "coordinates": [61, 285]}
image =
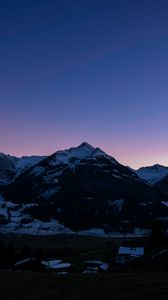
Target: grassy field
{"type": "Point", "coordinates": [119, 286]}
{"type": "Point", "coordinates": [80, 243]}
{"type": "Point", "coordinates": [69, 244]}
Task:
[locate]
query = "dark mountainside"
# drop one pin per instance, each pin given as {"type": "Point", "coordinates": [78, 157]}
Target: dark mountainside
{"type": "Point", "coordinates": [83, 188]}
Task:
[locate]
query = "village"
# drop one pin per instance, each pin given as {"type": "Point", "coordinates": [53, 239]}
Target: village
{"type": "Point", "coordinates": [84, 255]}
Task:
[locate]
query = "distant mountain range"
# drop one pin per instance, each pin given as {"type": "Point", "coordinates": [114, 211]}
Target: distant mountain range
{"type": "Point", "coordinates": [156, 176]}
{"type": "Point", "coordinates": [12, 166]}
{"type": "Point", "coordinates": [78, 189]}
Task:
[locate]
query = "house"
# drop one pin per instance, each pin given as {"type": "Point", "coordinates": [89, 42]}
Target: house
{"type": "Point", "coordinates": [95, 266]}
{"type": "Point", "coordinates": [58, 266]}
{"type": "Point", "coordinates": [126, 254]}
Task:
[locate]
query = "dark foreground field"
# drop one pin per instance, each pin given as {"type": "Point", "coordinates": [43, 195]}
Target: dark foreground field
{"type": "Point", "coordinates": [36, 286]}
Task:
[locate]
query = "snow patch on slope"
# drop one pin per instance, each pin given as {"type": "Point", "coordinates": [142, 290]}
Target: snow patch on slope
{"type": "Point", "coordinates": [38, 170]}
{"type": "Point", "coordinates": [138, 232]}
{"type": "Point", "coordinates": [36, 227]}
{"type": "Point", "coordinates": [118, 204]}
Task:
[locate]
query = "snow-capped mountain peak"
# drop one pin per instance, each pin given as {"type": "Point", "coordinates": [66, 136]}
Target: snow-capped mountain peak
{"type": "Point", "coordinates": [86, 145]}
{"type": "Point", "coordinates": [78, 153]}
{"type": "Point", "coordinates": [152, 174]}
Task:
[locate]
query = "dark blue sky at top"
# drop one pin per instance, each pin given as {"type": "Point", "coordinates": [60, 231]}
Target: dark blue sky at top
{"type": "Point", "coordinates": [93, 70]}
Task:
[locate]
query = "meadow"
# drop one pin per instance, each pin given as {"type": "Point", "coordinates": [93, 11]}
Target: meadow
{"type": "Point", "coordinates": [121, 286]}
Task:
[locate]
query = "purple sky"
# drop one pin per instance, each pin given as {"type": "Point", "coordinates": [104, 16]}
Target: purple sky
{"type": "Point", "coordinates": [85, 70]}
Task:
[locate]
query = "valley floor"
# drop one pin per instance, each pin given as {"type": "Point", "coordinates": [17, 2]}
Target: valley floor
{"type": "Point", "coordinates": [121, 286]}
{"type": "Point", "coordinates": [115, 285]}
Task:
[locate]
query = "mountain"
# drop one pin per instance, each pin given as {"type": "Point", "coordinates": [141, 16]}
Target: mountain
{"type": "Point", "coordinates": [11, 166]}
{"type": "Point", "coordinates": [7, 168]}
{"type": "Point", "coordinates": [162, 184]}
{"type": "Point", "coordinates": [79, 189]}
{"type": "Point", "coordinates": [152, 174]}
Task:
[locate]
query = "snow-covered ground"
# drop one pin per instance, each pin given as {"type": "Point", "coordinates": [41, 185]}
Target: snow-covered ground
{"type": "Point", "coordinates": [15, 223]}
{"type": "Point", "coordinates": [36, 227]}
{"type": "Point", "coordinates": [14, 215]}
{"type": "Point", "coordinates": [138, 232]}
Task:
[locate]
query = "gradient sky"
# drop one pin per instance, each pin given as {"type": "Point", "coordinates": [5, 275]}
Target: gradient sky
{"type": "Point", "coordinates": [85, 70]}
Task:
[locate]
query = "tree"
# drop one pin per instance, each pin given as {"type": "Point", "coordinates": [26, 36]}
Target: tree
{"type": "Point", "coordinates": [158, 233]}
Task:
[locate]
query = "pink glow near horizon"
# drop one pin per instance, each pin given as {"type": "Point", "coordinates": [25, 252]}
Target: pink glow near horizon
{"type": "Point", "coordinates": [133, 156]}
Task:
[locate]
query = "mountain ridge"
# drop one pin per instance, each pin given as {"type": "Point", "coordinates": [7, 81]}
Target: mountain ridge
{"type": "Point", "coordinates": [82, 145]}
{"type": "Point", "coordinates": [79, 188]}
{"type": "Point", "coordinates": [152, 174]}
